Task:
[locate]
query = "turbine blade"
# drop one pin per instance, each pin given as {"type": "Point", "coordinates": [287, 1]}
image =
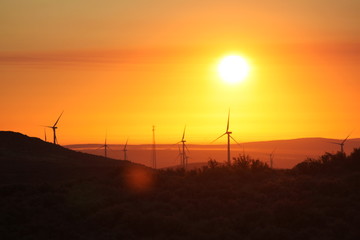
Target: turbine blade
{"type": "Point", "coordinates": [125, 145]}
{"type": "Point", "coordinates": [100, 147]}
{"type": "Point", "coordinates": [234, 140]}
{"type": "Point", "coordinates": [218, 138]}
{"type": "Point", "coordinates": [335, 143]}
{"type": "Point", "coordinates": [228, 122]}
{"type": "Point", "coordinates": [346, 139]}
{"type": "Point", "coordinates": [58, 119]}
{"type": "Point", "coordinates": [187, 149]}
{"type": "Point", "coordinates": [183, 134]}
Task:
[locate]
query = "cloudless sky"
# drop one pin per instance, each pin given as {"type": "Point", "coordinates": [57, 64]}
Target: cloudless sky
{"type": "Point", "coordinates": [123, 66]}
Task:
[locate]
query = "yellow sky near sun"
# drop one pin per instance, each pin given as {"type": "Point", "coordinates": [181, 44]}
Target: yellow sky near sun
{"type": "Point", "coordinates": [122, 67]}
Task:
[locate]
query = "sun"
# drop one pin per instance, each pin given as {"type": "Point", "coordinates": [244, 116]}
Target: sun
{"type": "Point", "coordinates": [233, 69]}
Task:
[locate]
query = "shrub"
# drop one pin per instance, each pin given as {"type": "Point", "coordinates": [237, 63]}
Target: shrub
{"type": "Point", "coordinates": [246, 162]}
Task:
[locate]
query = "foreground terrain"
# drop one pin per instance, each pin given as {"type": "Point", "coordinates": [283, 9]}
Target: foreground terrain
{"type": "Point", "coordinates": [317, 199]}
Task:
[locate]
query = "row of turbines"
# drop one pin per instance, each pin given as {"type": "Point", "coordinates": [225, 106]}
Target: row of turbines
{"type": "Point", "coordinates": [183, 150]}
{"type": "Point", "coordinates": [106, 147]}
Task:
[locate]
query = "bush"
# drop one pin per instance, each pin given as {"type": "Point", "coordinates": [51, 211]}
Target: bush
{"type": "Point", "coordinates": [330, 163]}
{"type": "Point", "coordinates": [246, 162]}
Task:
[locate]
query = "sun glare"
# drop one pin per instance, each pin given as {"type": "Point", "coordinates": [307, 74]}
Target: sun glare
{"type": "Point", "coordinates": [233, 69]}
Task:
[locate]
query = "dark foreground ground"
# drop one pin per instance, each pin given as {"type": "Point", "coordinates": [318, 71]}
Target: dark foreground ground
{"type": "Point", "coordinates": [318, 199]}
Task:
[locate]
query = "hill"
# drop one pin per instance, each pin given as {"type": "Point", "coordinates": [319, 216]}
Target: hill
{"type": "Point", "coordinates": [109, 199]}
{"type": "Point", "coordinates": [26, 159]}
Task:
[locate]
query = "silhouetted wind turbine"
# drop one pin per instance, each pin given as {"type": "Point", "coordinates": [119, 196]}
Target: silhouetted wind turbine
{"type": "Point", "coordinates": [153, 149]}
{"type": "Point", "coordinates": [125, 150]}
{"type": "Point", "coordinates": [228, 133]}
{"type": "Point", "coordinates": [342, 143]}
{"type": "Point", "coordinates": [54, 127]}
{"type": "Point", "coordinates": [105, 146]}
{"type": "Point", "coordinates": [184, 147]}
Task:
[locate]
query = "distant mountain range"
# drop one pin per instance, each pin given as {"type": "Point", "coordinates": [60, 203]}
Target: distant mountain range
{"type": "Point", "coordinates": [287, 153]}
{"type": "Point", "coordinates": [26, 159]}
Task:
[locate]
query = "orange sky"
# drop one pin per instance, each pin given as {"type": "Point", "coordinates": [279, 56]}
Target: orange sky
{"type": "Point", "coordinates": [122, 66]}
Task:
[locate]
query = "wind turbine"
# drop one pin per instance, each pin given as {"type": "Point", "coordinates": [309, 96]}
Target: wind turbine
{"type": "Point", "coordinates": [105, 146]}
{"type": "Point", "coordinates": [153, 149]}
{"type": "Point", "coordinates": [125, 150]}
{"type": "Point", "coordinates": [342, 143]}
{"type": "Point", "coordinates": [184, 147]}
{"type": "Point", "coordinates": [228, 133]}
{"type": "Point", "coordinates": [54, 127]}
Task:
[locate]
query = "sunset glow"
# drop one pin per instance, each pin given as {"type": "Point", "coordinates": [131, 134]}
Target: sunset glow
{"type": "Point", "coordinates": [124, 67]}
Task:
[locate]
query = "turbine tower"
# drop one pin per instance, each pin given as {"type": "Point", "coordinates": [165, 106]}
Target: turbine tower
{"type": "Point", "coordinates": [54, 127]}
{"type": "Point", "coordinates": [179, 154]}
{"type": "Point", "coordinates": [271, 155]}
{"type": "Point", "coordinates": [125, 150]}
{"type": "Point", "coordinates": [228, 133]}
{"type": "Point", "coordinates": [154, 149]}
{"type": "Point", "coordinates": [342, 143]}
{"type": "Point", "coordinates": [184, 157]}
{"type": "Point", "coordinates": [105, 146]}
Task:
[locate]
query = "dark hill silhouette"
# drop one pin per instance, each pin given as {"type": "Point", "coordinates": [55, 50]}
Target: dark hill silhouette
{"type": "Point", "coordinates": [96, 199]}
{"type": "Point", "coordinates": [26, 159]}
